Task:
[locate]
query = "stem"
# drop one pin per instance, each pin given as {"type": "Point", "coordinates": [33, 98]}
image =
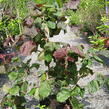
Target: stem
{"type": "Point", "coordinates": [18, 16]}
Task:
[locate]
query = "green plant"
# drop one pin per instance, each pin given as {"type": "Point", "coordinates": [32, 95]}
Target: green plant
{"type": "Point", "coordinates": [8, 28]}
{"type": "Point", "coordinates": [103, 28]}
{"type": "Point", "coordinates": [60, 77]}
{"type": "Point", "coordinates": [88, 14]}
{"type": "Point", "coordinates": [42, 107]}
{"type": "Point", "coordinates": [97, 42]}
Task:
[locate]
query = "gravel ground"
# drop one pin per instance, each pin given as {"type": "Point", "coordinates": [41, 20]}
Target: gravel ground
{"type": "Point", "coordinates": [99, 99]}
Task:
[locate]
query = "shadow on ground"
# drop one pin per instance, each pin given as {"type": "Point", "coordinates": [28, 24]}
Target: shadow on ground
{"type": "Point", "coordinates": [3, 79]}
{"type": "Point", "coordinates": [105, 60]}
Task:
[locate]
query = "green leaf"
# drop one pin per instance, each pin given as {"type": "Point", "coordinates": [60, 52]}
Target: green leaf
{"type": "Point", "coordinates": [51, 24]}
{"type": "Point", "coordinates": [48, 57]}
{"type": "Point", "coordinates": [45, 89]}
{"type": "Point", "coordinates": [14, 90]}
{"type": "Point", "coordinates": [86, 62]}
{"type": "Point", "coordinates": [63, 95]}
{"type": "Point", "coordinates": [13, 75]}
{"type": "Point", "coordinates": [44, 1]}
{"type": "Point", "coordinates": [93, 86]}
{"type": "Point", "coordinates": [1, 0]}
{"type": "Point", "coordinates": [15, 59]}
{"type": "Point", "coordinates": [24, 87]}
{"type": "Point", "coordinates": [32, 92]}
{"type": "Point", "coordinates": [40, 1]}
{"type": "Point", "coordinates": [41, 56]}
{"type": "Point", "coordinates": [98, 59]}
{"type": "Point", "coordinates": [43, 77]}
{"type": "Point", "coordinates": [75, 103]}
{"type": "Point", "coordinates": [84, 71]}
{"type": "Point", "coordinates": [50, 46]}
{"type": "Point", "coordinates": [60, 3]}
{"type": "Point", "coordinates": [36, 95]}
{"type": "Point", "coordinates": [77, 91]}
{"type": "Point", "coordinates": [36, 65]}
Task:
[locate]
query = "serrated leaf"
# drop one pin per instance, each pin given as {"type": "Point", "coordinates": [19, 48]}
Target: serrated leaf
{"type": "Point", "coordinates": [63, 95]}
{"type": "Point", "coordinates": [45, 89]}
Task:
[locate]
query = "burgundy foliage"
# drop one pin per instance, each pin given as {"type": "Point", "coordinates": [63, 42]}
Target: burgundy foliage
{"type": "Point", "coordinates": [6, 58]}
{"type": "Point", "coordinates": [62, 53]}
{"type": "Point", "coordinates": [77, 51]}
{"type": "Point", "coordinates": [27, 48]}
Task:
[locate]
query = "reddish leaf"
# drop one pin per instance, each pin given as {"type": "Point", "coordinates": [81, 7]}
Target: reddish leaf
{"type": "Point", "coordinates": [27, 48]}
{"type": "Point", "coordinates": [39, 5]}
{"type": "Point", "coordinates": [77, 51]}
{"type": "Point", "coordinates": [70, 59]}
{"type": "Point", "coordinates": [60, 54]}
{"type": "Point", "coordinates": [2, 56]}
{"type": "Point", "coordinates": [38, 30]}
{"type": "Point", "coordinates": [6, 58]}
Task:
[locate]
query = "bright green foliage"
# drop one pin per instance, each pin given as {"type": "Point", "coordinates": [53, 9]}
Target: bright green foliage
{"type": "Point", "coordinates": [63, 95]}
{"type": "Point", "coordinates": [75, 103]}
{"type": "Point", "coordinates": [45, 89]}
{"type": "Point", "coordinates": [88, 14]}
{"type": "Point", "coordinates": [96, 84]}
{"type": "Point", "coordinates": [59, 2]}
{"type": "Point", "coordinates": [51, 25]}
{"type": "Point", "coordinates": [14, 90]}
{"type": "Point", "coordinates": [13, 75]}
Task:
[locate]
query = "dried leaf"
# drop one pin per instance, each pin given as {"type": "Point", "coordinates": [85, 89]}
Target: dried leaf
{"type": "Point", "coordinates": [27, 48]}
{"type": "Point", "coordinates": [8, 41]}
{"type": "Point", "coordinates": [29, 21]}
